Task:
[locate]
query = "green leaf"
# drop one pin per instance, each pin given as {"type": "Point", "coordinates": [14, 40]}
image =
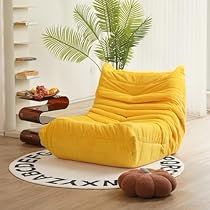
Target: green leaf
{"type": "Point", "coordinates": [87, 22]}
{"type": "Point", "coordinates": [67, 44]}
{"type": "Point", "coordinates": [140, 32]}
{"type": "Point", "coordinates": [131, 14]}
{"type": "Point", "coordinates": [132, 28]}
{"type": "Point", "coordinates": [133, 40]}
{"type": "Point", "coordinates": [103, 51]}
{"type": "Point", "coordinates": [107, 12]}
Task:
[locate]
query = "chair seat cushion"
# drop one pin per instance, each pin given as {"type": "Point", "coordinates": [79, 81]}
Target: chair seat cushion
{"type": "Point", "coordinates": [130, 124]}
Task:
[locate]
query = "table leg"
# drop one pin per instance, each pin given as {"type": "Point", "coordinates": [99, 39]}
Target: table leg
{"type": "Point", "coordinates": [30, 137]}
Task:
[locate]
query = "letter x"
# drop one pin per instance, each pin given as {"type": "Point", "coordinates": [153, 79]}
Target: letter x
{"type": "Point", "coordinates": [89, 183]}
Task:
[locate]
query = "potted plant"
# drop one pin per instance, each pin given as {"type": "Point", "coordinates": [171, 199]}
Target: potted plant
{"type": "Point", "coordinates": [108, 28]}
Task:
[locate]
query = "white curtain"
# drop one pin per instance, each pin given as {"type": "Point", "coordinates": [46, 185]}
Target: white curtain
{"type": "Point", "coordinates": [178, 36]}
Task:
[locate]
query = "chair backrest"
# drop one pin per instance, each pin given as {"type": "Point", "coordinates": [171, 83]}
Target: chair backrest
{"type": "Point", "coordinates": [128, 94]}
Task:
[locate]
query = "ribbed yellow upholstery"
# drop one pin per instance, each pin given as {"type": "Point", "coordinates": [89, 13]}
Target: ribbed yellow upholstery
{"type": "Point", "coordinates": [137, 118]}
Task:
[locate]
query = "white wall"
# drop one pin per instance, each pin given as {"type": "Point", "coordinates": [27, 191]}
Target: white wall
{"type": "Point", "coordinates": [75, 80]}
{"type": "Point", "coordinates": [10, 112]}
{"type": "Point", "coordinates": [178, 36]}
{"type": "Point", "coordinates": [208, 47]}
{"type": "Point", "coordinates": [2, 105]}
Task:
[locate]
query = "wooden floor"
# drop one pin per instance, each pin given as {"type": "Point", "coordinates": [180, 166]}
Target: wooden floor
{"type": "Point", "coordinates": [192, 193]}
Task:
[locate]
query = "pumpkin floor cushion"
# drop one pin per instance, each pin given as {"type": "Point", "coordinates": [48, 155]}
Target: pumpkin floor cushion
{"type": "Point", "coordinates": [137, 118]}
{"type": "Point", "coordinates": [147, 183]}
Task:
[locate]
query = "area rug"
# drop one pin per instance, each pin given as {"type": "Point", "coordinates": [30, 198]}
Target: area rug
{"type": "Point", "coordinates": [45, 169]}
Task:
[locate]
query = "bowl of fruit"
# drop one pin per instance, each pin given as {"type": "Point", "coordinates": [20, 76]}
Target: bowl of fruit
{"type": "Point", "coordinates": [38, 93]}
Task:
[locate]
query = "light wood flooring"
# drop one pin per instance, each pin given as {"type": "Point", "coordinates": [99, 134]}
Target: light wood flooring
{"type": "Point", "coordinates": [192, 193]}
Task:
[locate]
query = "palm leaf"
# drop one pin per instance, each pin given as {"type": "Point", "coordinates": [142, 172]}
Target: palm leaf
{"type": "Point", "coordinates": [87, 22]}
{"type": "Point", "coordinates": [127, 43]}
{"type": "Point", "coordinates": [132, 28]}
{"type": "Point", "coordinates": [126, 57]}
{"type": "Point", "coordinates": [107, 12]}
{"type": "Point", "coordinates": [67, 44]}
{"type": "Point", "coordinates": [140, 32]}
{"type": "Point", "coordinates": [131, 14]}
{"type": "Point", "coordinates": [103, 51]}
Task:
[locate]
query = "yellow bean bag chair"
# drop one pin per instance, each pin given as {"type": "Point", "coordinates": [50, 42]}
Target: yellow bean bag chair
{"type": "Point", "coordinates": [137, 118]}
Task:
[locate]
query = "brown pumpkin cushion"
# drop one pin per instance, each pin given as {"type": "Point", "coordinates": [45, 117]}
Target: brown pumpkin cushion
{"type": "Point", "coordinates": [147, 183]}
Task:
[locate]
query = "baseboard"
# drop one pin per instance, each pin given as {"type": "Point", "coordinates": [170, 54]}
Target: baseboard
{"type": "Point", "coordinates": [88, 98]}
{"type": "Point", "coordinates": [12, 134]}
{"type": "Point", "coordinates": [208, 100]}
{"type": "Point", "coordinates": [1, 133]}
